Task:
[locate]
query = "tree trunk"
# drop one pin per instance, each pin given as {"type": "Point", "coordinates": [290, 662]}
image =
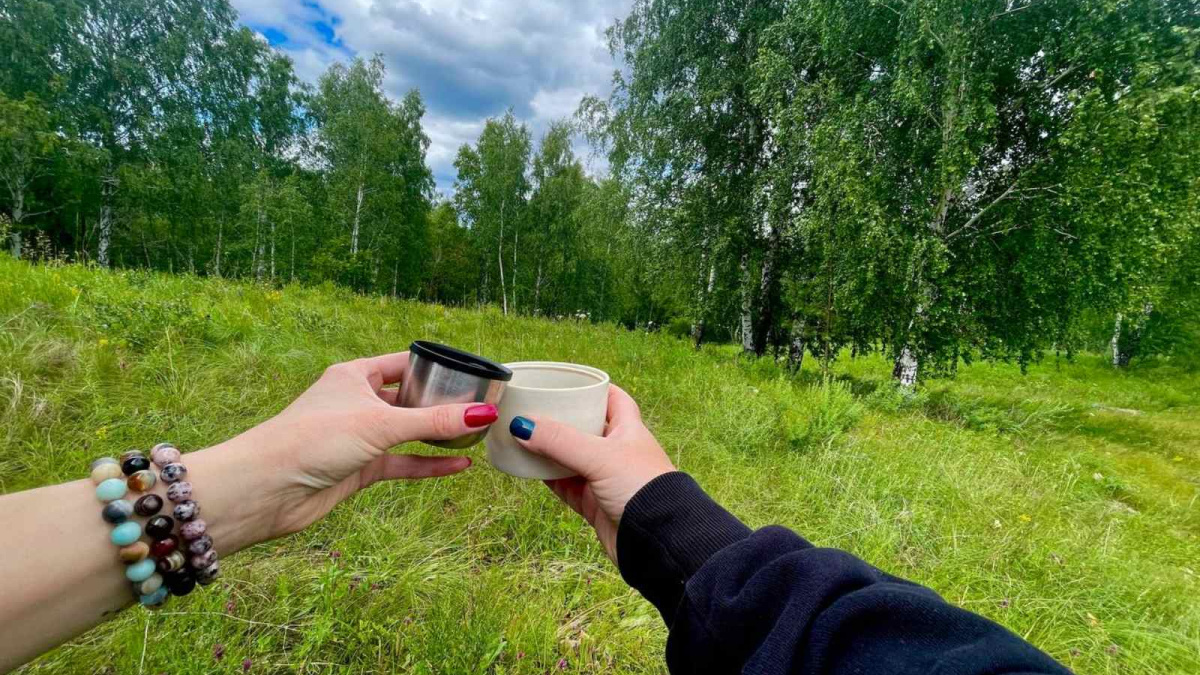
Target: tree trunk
{"type": "Point", "coordinates": [15, 239]}
{"type": "Point", "coordinates": [1116, 342]}
{"type": "Point", "coordinates": [1126, 344]}
{"type": "Point", "coordinates": [18, 215]}
{"type": "Point", "coordinates": [796, 345]}
{"type": "Point", "coordinates": [272, 250]}
{"type": "Point", "coordinates": [358, 203]}
{"type": "Point", "coordinates": [905, 370]}
{"type": "Point", "coordinates": [220, 234]}
{"type": "Point", "coordinates": [766, 304]}
{"type": "Point", "coordinates": [259, 246]}
{"type": "Point", "coordinates": [516, 245]}
{"type": "Point", "coordinates": [500, 259]}
{"type": "Point", "coordinates": [705, 297]}
{"type": "Point", "coordinates": [747, 304]}
{"type": "Point", "coordinates": [537, 290]}
{"type": "Point", "coordinates": [395, 277]}
{"type": "Point", "coordinates": [105, 234]}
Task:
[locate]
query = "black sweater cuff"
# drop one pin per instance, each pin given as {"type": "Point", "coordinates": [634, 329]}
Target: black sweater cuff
{"type": "Point", "coordinates": [668, 531]}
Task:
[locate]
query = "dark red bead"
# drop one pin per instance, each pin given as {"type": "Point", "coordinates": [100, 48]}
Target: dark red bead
{"type": "Point", "coordinates": [164, 547]}
{"type": "Point", "coordinates": [180, 583]}
{"type": "Point", "coordinates": [159, 527]}
{"type": "Point", "coordinates": [148, 505]}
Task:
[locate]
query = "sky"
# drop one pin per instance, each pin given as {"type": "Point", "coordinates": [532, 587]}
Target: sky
{"type": "Point", "coordinates": [471, 59]}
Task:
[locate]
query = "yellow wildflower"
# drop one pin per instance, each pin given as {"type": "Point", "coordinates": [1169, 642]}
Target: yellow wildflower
{"type": "Point", "coordinates": [102, 433]}
{"type": "Point", "coordinates": [1025, 518]}
{"type": "Point", "coordinates": [102, 341]}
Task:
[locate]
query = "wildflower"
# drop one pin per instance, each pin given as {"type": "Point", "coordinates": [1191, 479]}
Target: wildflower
{"type": "Point", "coordinates": [102, 433]}
{"type": "Point", "coordinates": [230, 606]}
{"type": "Point", "coordinates": [246, 663]}
{"type": "Point", "coordinates": [218, 651]}
{"type": "Point", "coordinates": [562, 664]}
{"type": "Point", "coordinates": [102, 341]}
{"type": "Point", "coordinates": [1025, 518]}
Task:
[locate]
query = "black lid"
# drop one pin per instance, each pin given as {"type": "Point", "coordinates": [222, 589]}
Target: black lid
{"type": "Point", "coordinates": [464, 362]}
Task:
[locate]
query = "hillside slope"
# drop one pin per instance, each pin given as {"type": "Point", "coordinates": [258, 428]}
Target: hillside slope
{"type": "Point", "coordinates": [1062, 503]}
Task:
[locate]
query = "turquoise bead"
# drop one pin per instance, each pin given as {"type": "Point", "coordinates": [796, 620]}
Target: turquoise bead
{"type": "Point", "coordinates": [111, 490]}
{"type": "Point", "coordinates": [140, 571]}
{"type": "Point", "coordinates": [154, 599]}
{"type": "Point", "coordinates": [126, 533]}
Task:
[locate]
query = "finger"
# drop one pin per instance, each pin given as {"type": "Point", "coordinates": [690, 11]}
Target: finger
{"type": "Point", "coordinates": [436, 423]}
{"type": "Point", "coordinates": [392, 467]}
{"type": "Point", "coordinates": [389, 396]}
{"type": "Point", "coordinates": [569, 490]}
{"type": "Point", "coordinates": [621, 407]}
{"type": "Point", "coordinates": [577, 451]}
{"type": "Point", "coordinates": [386, 369]}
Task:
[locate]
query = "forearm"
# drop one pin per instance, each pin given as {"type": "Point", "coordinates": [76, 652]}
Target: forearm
{"type": "Point", "coordinates": [769, 601]}
{"type": "Point", "coordinates": [60, 572]}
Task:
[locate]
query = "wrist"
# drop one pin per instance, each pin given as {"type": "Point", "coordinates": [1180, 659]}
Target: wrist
{"type": "Point", "coordinates": [231, 494]}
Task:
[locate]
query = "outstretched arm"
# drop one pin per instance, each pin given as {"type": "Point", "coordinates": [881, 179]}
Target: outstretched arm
{"type": "Point", "coordinates": [758, 602]}
{"type": "Point", "coordinates": [60, 574]}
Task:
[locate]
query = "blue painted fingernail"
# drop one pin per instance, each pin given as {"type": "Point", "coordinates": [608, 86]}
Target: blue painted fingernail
{"type": "Point", "coordinates": [521, 427]}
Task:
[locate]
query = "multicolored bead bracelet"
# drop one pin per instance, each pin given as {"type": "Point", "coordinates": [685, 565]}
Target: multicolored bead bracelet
{"type": "Point", "coordinates": [197, 546]}
{"type": "Point", "coordinates": [114, 479]}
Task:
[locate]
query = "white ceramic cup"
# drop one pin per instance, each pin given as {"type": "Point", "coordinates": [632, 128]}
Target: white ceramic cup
{"type": "Point", "coordinates": [572, 394]}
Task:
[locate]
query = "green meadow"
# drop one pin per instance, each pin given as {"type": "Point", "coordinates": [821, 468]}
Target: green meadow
{"type": "Point", "coordinates": [1062, 502]}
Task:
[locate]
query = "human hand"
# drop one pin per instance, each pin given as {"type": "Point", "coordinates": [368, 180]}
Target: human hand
{"type": "Point", "coordinates": [333, 441]}
{"type": "Point", "coordinates": [611, 468]}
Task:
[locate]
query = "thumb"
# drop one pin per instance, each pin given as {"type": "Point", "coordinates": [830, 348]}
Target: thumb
{"type": "Point", "coordinates": [438, 423]}
{"type": "Point", "coordinates": [575, 450]}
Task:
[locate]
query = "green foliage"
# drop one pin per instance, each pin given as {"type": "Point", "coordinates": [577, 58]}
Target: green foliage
{"type": "Point", "coordinates": [1076, 531]}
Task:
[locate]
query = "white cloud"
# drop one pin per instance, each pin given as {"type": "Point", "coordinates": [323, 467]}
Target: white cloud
{"type": "Point", "coordinates": [471, 59]}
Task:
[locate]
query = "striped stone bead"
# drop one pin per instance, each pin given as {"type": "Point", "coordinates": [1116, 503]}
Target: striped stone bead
{"type": "Point", "coordinates": [141, 481]}
{"type": "Point", "coordinates": [173, 562]}
{"type": "Point", "coordinates": [148, 505]}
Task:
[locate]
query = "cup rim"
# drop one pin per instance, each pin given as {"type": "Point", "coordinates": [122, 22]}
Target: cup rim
{"type": "Point", "coordinates": [603, 381]}
{"type": "Point", "coordinates": [457, 359]}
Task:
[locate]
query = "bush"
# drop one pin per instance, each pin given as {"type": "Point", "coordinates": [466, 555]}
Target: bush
{"type": "Point", "coordinates": [820, 415]}
{"type": "Point", "coordinates": [680, 328]}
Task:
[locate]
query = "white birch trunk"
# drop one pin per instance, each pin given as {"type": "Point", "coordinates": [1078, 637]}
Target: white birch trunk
{"type": "Point", "coordinates": [358, 204]}
{"type": "Point", "coordinates": [15, 240]}
{"type": "Point", "coordinates": [516, 246]}
{"type": "Point", "coordinates": [105, 225]}
{"type": "Point", "coordinates": [905, 370]}
{"type": "Point", "coordinates": [500, 259]}
{"type": "Point", "coordinates": [747, 303]}
{"type": "Point", "coordinates": [220, 235]}
{"type": "Point", "coordinates": [1116, 342]}
{"type": "Point", "coordinates": [272, 249]}
{"type": "Point", "coordinates": [705, 293]}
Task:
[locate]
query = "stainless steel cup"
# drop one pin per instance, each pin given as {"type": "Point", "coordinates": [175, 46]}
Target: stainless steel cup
{"type": "Point", "coordinates": [438, 374]}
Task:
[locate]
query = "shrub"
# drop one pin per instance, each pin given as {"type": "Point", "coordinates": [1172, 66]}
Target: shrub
{"type": "Point", "coordinates": [819, 415]}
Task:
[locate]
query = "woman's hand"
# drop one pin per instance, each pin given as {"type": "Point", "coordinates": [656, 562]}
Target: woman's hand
{"type": "Point", "coordinates": [611, 468]}
{"type": "Point", "coordinates": [334, 439]}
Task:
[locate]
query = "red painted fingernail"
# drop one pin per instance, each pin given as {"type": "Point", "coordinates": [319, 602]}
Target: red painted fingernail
{"type": "Point", "coordinates": [480, 415]}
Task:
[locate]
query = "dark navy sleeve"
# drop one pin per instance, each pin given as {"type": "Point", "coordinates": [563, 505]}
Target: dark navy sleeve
{"type": "Point", "coordinates": [738, 601]}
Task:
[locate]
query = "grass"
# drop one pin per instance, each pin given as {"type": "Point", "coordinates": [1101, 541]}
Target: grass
{"type": "Point", "coordinates": [1061, 503]}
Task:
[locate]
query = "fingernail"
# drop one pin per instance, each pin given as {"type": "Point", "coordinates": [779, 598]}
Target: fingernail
{"type": "Point", "coordinates": [521, 427]}
{"type": "Point", "coordinates": [480, 415]}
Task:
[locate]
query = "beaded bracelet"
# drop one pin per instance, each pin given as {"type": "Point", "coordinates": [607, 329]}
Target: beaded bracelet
{"type": "Point", "coordinates": [113, 481]}
{"type": "Point", "coordinates": [201, 557]}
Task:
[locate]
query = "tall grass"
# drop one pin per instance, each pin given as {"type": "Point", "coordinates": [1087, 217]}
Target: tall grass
{"type": "Point", "coordinates": [1040, 501]}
